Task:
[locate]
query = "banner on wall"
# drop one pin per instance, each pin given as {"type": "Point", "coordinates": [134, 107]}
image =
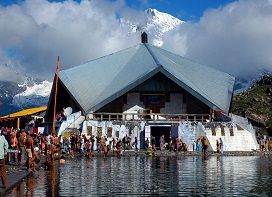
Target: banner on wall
{"type": "Point", "coordinates": [41, 130]}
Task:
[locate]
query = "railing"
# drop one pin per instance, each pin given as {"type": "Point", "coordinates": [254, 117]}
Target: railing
{"type": "Point", "coordinates": [149, 117]}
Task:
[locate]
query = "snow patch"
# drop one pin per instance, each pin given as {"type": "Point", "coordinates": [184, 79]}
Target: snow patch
{"type": "Point", "coordinates": [35, 95]}
{"type": "Point", "coordinates": [158, 23]}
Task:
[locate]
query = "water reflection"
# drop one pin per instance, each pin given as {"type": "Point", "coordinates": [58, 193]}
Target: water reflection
{"type": "Point", "coordinates": [164, 176]}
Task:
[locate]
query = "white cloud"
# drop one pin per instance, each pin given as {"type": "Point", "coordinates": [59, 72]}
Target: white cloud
{"type": "Point", "coordinates": [77, 32]}
{"type": "Point", "coordinates": [235, 39]}
{"type": "Point", "coordinates": [9, 69]}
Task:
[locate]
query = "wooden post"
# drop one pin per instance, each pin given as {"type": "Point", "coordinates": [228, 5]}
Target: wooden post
{"type": "Point", "coordinates": [55, 98]}
{"type": "Point", "coordinates": [18, 123]}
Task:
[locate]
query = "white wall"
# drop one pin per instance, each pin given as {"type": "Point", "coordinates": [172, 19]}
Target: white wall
{"type": "Point", "coordinates": [187, 131]}
{"type": "Point", "coordinates": [122, 128]}
{"type": "Point", "coordinates": [241, 141]}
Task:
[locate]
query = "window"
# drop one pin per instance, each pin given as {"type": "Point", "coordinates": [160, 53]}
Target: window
{"type": "Point", "coordinates": [213, 131]}
{"type": "Point", "coordinates": [89, 130]}
{"type": "Point", "coordinates": [99, 131]}
{"type": "Point", "coordinates": [109, 132]}
{"type": "Point", "coordinates": [222, 131]}
{"type": "Point", "coordinates": [231, 132]}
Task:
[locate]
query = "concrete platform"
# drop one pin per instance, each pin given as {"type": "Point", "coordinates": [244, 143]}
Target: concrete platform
{"type": "Point", "coordinates": [15, 175]}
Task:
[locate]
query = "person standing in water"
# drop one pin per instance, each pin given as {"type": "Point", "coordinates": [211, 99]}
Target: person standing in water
{"type": "Point", "coordinates": [221, 145]}
{"type": "Point", "coordinates": [136, 144]}
{"type": "Point", "coordinates": [29, 152]}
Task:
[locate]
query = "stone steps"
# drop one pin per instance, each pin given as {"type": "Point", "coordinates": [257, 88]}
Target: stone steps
{"type": "Point", "coordinates": [242, 140]}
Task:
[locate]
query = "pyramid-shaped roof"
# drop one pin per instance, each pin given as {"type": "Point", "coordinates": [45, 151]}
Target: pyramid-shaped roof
{"type": "Point", "coordinates": [98, 82]}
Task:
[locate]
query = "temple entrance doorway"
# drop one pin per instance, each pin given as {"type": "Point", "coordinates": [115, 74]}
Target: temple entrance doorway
{"type": "Point", "coordinates": [158, 131]}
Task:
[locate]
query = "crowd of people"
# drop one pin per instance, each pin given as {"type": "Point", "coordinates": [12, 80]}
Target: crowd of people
{"type": "Point", "coordinates": [25, 146]}
{"type": "Point", "coordinates": [174, 144]}
{"type": "Point", "coordinates": [82, 145]}
{"type": "Point", "coordinates": [265, 143]}
{"type": "Point", "coordinates": [22, 147]}
{"type": "Point", "coordinates": [177, 144]}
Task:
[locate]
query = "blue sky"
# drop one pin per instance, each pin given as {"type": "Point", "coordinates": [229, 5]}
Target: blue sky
{"type": "Point", "coordinates": [183, 9]}
{"type": "Point", "coordinates": [233, 36]}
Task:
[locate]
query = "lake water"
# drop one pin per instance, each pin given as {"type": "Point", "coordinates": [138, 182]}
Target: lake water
{"type": "Point", "coordinates": [153, 176]}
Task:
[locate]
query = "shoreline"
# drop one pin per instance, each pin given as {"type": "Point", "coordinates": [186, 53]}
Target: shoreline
{"type": "Point", "coordinates": [166, 153]}
{"type": "Point", "coordinates": [187, 153]}
{"type": "Point", "coordinates": [16, 174]}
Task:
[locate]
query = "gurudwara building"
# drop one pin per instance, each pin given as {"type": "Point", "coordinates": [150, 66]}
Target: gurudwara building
{"type": "Point", "coordinates": [146, 91]}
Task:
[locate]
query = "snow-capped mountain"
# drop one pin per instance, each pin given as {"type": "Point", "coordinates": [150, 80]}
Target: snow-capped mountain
{"type": "Point", "coordinates": [27, 93]}
{"type": "Point", "coordinates": [35, 95]}
{"type": "Point", "coordinates": [153, 23]}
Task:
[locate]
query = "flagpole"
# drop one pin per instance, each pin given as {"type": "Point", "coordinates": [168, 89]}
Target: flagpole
{"type": "Point", "coordinates": [55, 96]}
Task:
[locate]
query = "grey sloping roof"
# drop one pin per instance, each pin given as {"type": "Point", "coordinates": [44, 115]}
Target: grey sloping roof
{"type": "Point", "coordinates": [98, 82]}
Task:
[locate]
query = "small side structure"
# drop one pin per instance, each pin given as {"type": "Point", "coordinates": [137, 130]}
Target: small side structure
{"type": "Point", "coordinates": [21, 118]}
{"type": "Point", "coordinates": [146, 91]}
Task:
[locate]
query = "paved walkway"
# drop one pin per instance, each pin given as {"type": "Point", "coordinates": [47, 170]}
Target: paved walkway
{"type": "Point", "coordinates": [15, 175]}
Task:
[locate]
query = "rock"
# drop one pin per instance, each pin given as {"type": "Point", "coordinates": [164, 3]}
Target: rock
{"type": "Point", "coordinates": [269, 90]}
{"type": "Point", "coordinates": [254, 99]}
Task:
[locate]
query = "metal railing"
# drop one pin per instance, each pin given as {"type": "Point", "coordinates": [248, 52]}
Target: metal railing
{"type": "Point", "coordinates": [149, 117]}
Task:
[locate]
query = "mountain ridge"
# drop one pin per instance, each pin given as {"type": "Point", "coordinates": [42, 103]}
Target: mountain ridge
{"type": "Point", "coordinates": [156, 23]}
{"type": "Point", "coordinates": [255, 104]}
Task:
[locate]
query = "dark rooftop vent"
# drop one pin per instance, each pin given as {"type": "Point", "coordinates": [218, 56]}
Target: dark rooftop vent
{"type": "Point", "coordinates": [144, 38]}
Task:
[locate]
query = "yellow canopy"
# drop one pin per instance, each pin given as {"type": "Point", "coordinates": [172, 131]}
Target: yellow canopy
{"type": "Point", "coordinates": [25, 112]}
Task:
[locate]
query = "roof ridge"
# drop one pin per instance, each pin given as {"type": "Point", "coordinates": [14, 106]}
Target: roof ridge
{"type": "Point", "coordinates": [152, 54]}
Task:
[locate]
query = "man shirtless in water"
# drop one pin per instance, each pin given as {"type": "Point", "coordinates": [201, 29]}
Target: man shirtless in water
{"type": "Point", "coordinates": [29, 152]}
{"type": "Point", "coordinates": [106, 150]}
